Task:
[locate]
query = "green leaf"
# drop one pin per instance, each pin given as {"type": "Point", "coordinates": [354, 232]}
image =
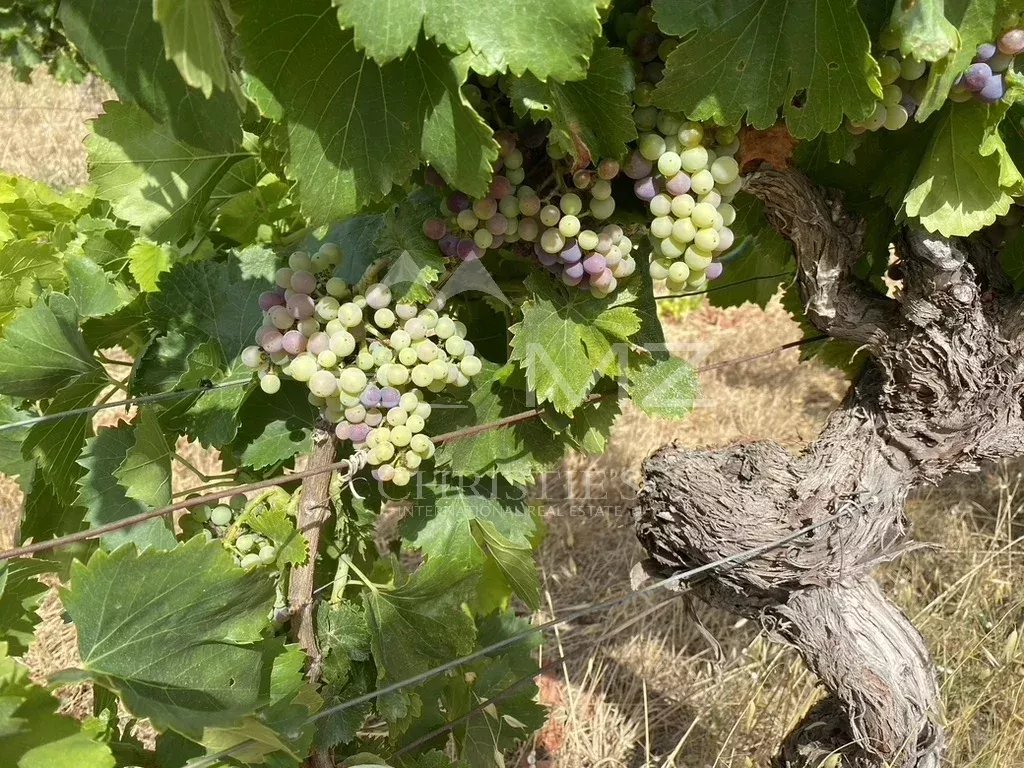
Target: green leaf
{"type": "Point", "coordinates": [357, 238]}
{"type": "Point", "coordinates": [419, 624]}
{"type": "Point", "coordinates": [145, 472]}
{"type": "Point", "coordinates": [416, 261]}
{"type": "Point", "coordinates": [923, 30]}
{"type": "Point", "coordinates": [966, 179]}
{"type": "Point", "coordinates": [12, 463]}
{"type": "Point", "coordinates": [407, 109]}
{"type": "Point", "coordinates": [94, 292]}
{"type": "Point", "coordinates": [192, 39]}
{"type": "Point", "coordinates": [271, 519]}
{"type": "Point", "coordinates": [147, 261]}
{"type": "Point", "coordinates": [665, 388]}
{"type": "Point", "coordinates": [34, 734]}
{"type": "Point", "coordinates": [176, 634]}
{"type": "Point", "coordinates": [151, 179]}
{"type": "Point", "coordinates": [107, 501]}
{"type": "Point", "coordinates": [27, 267]}
{"type": "Point", "coordinates": [42, 349]}
{"type": "Point", "coordinates": [552, 40]}
{"type": "Point", "coordinates": [343, 638]}
{"type": "Point", "coordinates": [21, 594]}
{"type": "Point", "coordinates": [274, 428]}
{"type": "Point", "coordinates": [746, 59]}
{"type": "Point", "coordinates": [565, 338]}
{"type": "Point", "coordinates": [590, 118]}
{"type": "Point", "coordinates": [517, 452]}
{"type": "Point", "coordinates": [121, 39]}
{"type": "Point", "coordinates": [210, 301]}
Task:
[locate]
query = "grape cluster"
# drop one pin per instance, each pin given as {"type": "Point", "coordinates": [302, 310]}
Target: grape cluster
{"type": "Point", "coordinates": [249, 548]}
{"type": "Point", "coordinates": [365, 358]}
{"type": "Point", "coordinates": [904, 80]}
{"type": "Point", "coordinates": [556, 224]}
{"type": "Point", "coordinates": [985, 79]}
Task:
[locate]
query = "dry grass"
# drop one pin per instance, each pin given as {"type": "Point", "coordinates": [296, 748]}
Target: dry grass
{"type": "Point", "coordinates": [642, 685]}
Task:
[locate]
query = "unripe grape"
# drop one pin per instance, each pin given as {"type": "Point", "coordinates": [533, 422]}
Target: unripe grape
{"type": "Point", "coordinates": [552, 241]}
{"type": "Point", "coordinates": [569, 226]}
{"type": "Point", "coordinates": [270, 299]}
{"type": "Point", "coordinates": [221, 515]}
{"type": "Point", "coordinates": [422, 445]}
{"type": "Point", "coordinates": [669, 164]}
{"type": "Point", "coordinates": [678, 272]}
{"type": "Point", "coordinates": [268, 554]}
{"type": "Point", "coordinates": [355, 414]}
{"type": "Point", "coordinates": [327, 308]}
{"type": "Point", "coordinates": [514, 159]}
{"type": "Point", "coordinates": [703, 215]}
{"type": "Point", "coordinates": [890, 69]}
{"type": "Point", "coordinates": [485, 208]}
{"type": "Point", "coordinates": [657, 270]}
{"type": "Point", "coordinates": [571, 204]}
{"type": "Point", "coordinates": [661, 205]}
{"type": "Point", "coordinates": [337, 287]}
{"type": "Point", "coordinates": [607, 169]}
{"type": "Point", "coordinates": [303, 282]}
{"type": "Point", "coordinates": [245, 542]}
{"type": "Point", "coordinates": [661, 227]}
{"type": "Point", "coordinates": [327, 359]}
{"type": "Point", "coordinates": [342, 344]}
{"type": "Point", "coordinates": [671, 248]}
{"type": "Point", "coordinates": [683, 231]}
{"type": "Point", "coordinates": [726, 238]}
{"type": "Point", "coordinates": [412, 460]}
{"type": "Point", "coordinates": [384, 318]}
{"type": "Point", "coordinates": [249, 561]}
{"type": "Point", "coordinates": [651, 146]}
{"type": "Point", "coordinates": [706, 239]}
{"type": "Point", "coordinates": [702, 182]}
{"type": "Point", "coordinates": [694, 159]}
{"type": "Point", "coordinates": [303, 367]}
{"type": "Point", "coordinates": [697, 259]}
{"type": "Point", "coordinates": [895, 117]}
{"type": "Point", "coordinates": [682, 206]}
{"type": "Point", "coordinates": [280, 318]}
{"type": "Point", "coordinates": [350, 314]}
{"type": "Point", "coordinates": [319, 262]}
{"type": "Point", "coordinates": [352, 381]}
{"type": "Point", "coordinates": [470, 365]}
{"type": "Point", "coordinates": [323, 384]}
{"type": "Point", "coordinates": [397, 375]}
{"type": "Point", "coordinates": [550, 215]}
{"type": "Point", "coordinates": [299, 261]}
{"type": "Point", "coordinates": [421, 376]}
{"type": "Point", "coordinates": [912, 69]}
{"type": "Point", "coordinates": [270, 383]}
{"type": "Point", "coordinates": [252, 357]}
{"type": "Point", "coordinates": [690, 134]}
{"type": "Point", "coordinates": [283, 277]}
{"type": "Point", "coordinates": [602, 209]}
{"type": "Point", "coordinates": [725, 169]}
{"type": "Point", "coordinates": [377, 296]}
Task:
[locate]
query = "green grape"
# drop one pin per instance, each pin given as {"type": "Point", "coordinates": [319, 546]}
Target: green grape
{"type": "Point", "coordinates": [407, 356]}
{"type": "Point", "coordinates": [384, 318]}
{"type": "Point", "coordinates": [660, 205]}
{"type": "Point", "coordinates": [327, 359]}
{"type": "Point", "coordinates": [268, 554]}
{"type": "Point", "coordinates": [445, 327]}
{"type": "Point", "coordinates": [690, 134]}
{"type": "Point", "coordinates": [245, 542]}
{"type": "Point", "coordinates": [470, 365]}
{"type": "Point", "coordinates": [342, 344]}
{"type": "Point", "coordinates": [415, 424]}
{"type": "Point", "coordinates": [397, 375]}
{"type": "Point", "coordinates": [427, 351]}
{"type": "Point", "coordinates": [383, 452]}
{"type": "Point", "coordinates": [890, 69]}
{"type": "Point", "coordinates": [725, 170]}
{"type": "Point", "coordinates": [409, 401]}
{"type": "Point", "coordinates": [416, 328]}
{"type": "Point", "coordinates": [455, 346]}
{"type": "Point", "coordinates": [683, 231]}
{"type": "Point", "coordinates": [602, 209]}
{"type": "Point", "coordinates": [571, 204]}
{"type": "Point", "coordinates": [327, 308]}
{"type": "Point", "coordinates": [552, 241]}
{"type": "Point", "coordinates": [400, 340]}
{"type": "Point", "coordinates": [703, 215]}
{"type": "Point", "coordinates": [397, 416]}
{"type": "Point", "coordinates": [423, 410]}
{"type": "Point", "coordinates": [728, 214]}
{"type": "Point", "coordinates": [483, 238]}
{"type": "Point", "coordinates": [587, 240]}
{"type": "Point", "coordinates": [249, 561]}
{"type": "Point", "coordinates": [401, 435]}
{"type": "Point", "coordinates": [355, 414]}
{"type": "Point", "coordinates": [670, 248]}
{"type": "Point", "coordinates": [412, 459]}
{"type": "Point", "coordinates": [352, 381]}
{"type": "Point", "coordinates": [550, 215]}
{"type": "Point", "coordinates": [652, 146]}
{"type": "Point", "coordinates": [661, 227]}
{"type": "Point", "coordinates": [221, 515]}
{"type": "Point", "coordinates": [438, 371]}
{"type": "Point", "coordinates": [669, 164]}
{"type": "Point", "coordinates": [421, 376]}
{"type": "Point", "coordinates": [337, 287]}
{"type": "Point", "coordinates": [270, 383]}
{"type": "Point", "coordinates": [706, 239]}
{"type": "Point", "coordinates": [658, 271]}
{"type": "Point", "coordinates": [350, 314]}
{"type": "Point", "coordinates": [401, 476]}
{"type": "Point", "coordinates": [682, 206]}
{"type": "Point", "coordinates": [694, 159]}
{"type": "Point", "coordinates": [303, 367]}
{"type": "Point", "coordinates": [702, 182]}
{"type": "Point", "coordinates": [697, 259]}
{"type": "Point", "coordinates": [678, 272]}
{"type": "Point", "coordinates": [323, 384]}
{"type": "Point", "coordinates": [569, 226]}
{"type": "Point", "coordinates": [601, 190]}
{"type": "Point", "coordinates": [365, 361]}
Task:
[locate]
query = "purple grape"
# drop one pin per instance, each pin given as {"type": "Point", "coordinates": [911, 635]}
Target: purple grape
{"type": "Point", "coordinates": [678, 184]}
{"type": "Point", "coordinates": [303, 282]}
{"type": "Point", "coordinates": [271, 340]}
{"type": "Point", "coordinates": [985, 52]}
{"type": "Point", "coordinates": [910, 104]}
{"type": "Point", "coordinates": [497, 224]}
{"type": "Point", "coordinates": [571, 281]}
{"type": "Point", "coordinates": [435, 229]}
{"type": "Point", "coordinates": [357, 433]}
{"type": "Point", "coordinates": [433, 178]}
{"type": "Point", "coordinates": [976, 77]}
{"type": "Point", "coordinates": [654, 71]}
{"type": "Point", "coordinates": [301, 306]}
{"type": "Point", "coordinates": [270, 299]}
{"type": "Point", "coordinates": [449, 246]}
{"type": "Point", "coordinates": [575, 271]}
{"type": "Point", "coordinates": [571, 253]}
{"type": "Point", "coordinates": [714, 270]}
{"type": "Point", "coordinates": [293, 342]}
{"type": "Point", "coordinates": [458, 202]}
{"type": "Point", "coordinates": [465, 249]}
{"type": "Point", "coordinates": [993, 91]}
{"type": "Point", "coordinates": [594, 264]}
{"type": "Point", "coordinates": [645, 189]}
{"type": "Point", "coordinates": [603, 280]}
{"type": "Point", "coordinates": [317, 343]}
{"type": "Point", "coordinates": [389, 397]}
{"type": "Point", "coordinates": [498, 241]}
{"type": "Point", "coordinates": [637, 166]}
{"type": "Point", "coordinates": [343, 430]}
{"type": "Point", "coordinates": [501, 188]}
{"type": "Point", "coordinates": [646, 47]}
{"type": "Point", "coordinates": [370, 397]}
{"type": "Point", "coordinates": [545, 258]}
{"type": "Point", "coordinates": [1012, 42]}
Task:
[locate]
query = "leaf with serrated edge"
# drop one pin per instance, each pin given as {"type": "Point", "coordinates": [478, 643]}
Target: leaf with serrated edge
{"type": "Point", "coordinates": [145, 472]}
{"type": "Point", "coordinates": [205, 666]}
{"type": "Point", "coordinates": [193, 41]}
{"type": "Point", "coordinates": [746, 59]}
{"type": "Point", "coordinates": [96, 293]}
{"type": "Point", "coordinates": [663, 388]}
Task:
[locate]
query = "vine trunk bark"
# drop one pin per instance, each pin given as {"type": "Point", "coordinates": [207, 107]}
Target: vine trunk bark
{"type": "Point", "coordinates": [941, 393]}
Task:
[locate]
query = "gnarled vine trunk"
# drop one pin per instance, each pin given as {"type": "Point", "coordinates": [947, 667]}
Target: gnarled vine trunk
{"type": "Point", "coordinates": [941, 394]}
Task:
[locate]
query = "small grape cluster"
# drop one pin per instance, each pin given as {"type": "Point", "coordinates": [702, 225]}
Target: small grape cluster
{"type": "Point", "coordinates": [514, 212]}
{"type": "Point", "coordinates": [249, 548]}
{"type": "Point", "coordinates": [985, 79]}
{"type": "Point", "coordinates": [904, 80]}
{"type": "Point", "coordinates": [365, 358]}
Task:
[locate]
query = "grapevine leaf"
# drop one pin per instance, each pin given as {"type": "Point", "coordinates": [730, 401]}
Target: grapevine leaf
{"type": "Point", "coordinates": [26, 268]}
{"type": "Point", "coordinates": [923, 30]}
{"type": "Point", "coordinates": [416, 261]}
{"type": "Point", "coordinates": [405, 109]}
{"type": "Point", "coordinates": [419, 624]}
{"type": "Point", "coordinates": [12, 462]}
{"type": "Point", "coordinates": [147, 261]}
{"type": "Point", "coordinates": [151, 179]}
{"type": "Point", "coordinates": [145, 472]}
{"type": "Point", "coordinates": [275, 428]}
{"type": "Point", "coordinates": [46, 515]}
{"type": "Point", "coordinates": [759, 263]}
{"type": "Point", "coordinates": [516, 452]}
{"type": "Point", "coordinates": [591, 424]}
{"type": "Point", "coordinates": [565, 339]}
{"type": "Point", "coordinates": [42, 349]}
{"type": "Point", "coordinates": [192, 39]}
{"type": "Point", "coordinates": [344, 638]}
{"type": "Point", "coordinates": [552, 40]}
{"type": "Point", "coordinates": [749, 58]}
{"type": "Point", "coordinates": [357, 239]}
{"type": "Point", "coordinates": [272, 521]}
{"type": "Point", "coordinates": [57, 444]}
{"type": "Point", "coordinates": [106, 501]}
{"type": "Point", "coordinates": [210, 301]}
{"type": "Point", "coordinates": [94, 292]}
{"type": "Point", "coordinates": [21, 594]}
{"type": "Point", "coordinates": [967, 178]}
{"type": "Point", "coordinates": [123, 41]}
{"type": "Point", "coordinates": [664, 388]}
{"type": "Point", "coordinates": [206, 667]}
{"type": "Point", "coordinates": [34, 734]}
{"type": "Point", "coordinates": [591, 118]}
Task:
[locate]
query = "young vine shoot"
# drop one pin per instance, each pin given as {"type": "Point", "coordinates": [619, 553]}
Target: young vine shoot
{"type": "Point", "coordinates": [341, 233]}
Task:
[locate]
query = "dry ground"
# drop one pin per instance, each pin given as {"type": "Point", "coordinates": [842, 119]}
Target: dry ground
{"type": "Point", "coordinates": [642, 684]}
